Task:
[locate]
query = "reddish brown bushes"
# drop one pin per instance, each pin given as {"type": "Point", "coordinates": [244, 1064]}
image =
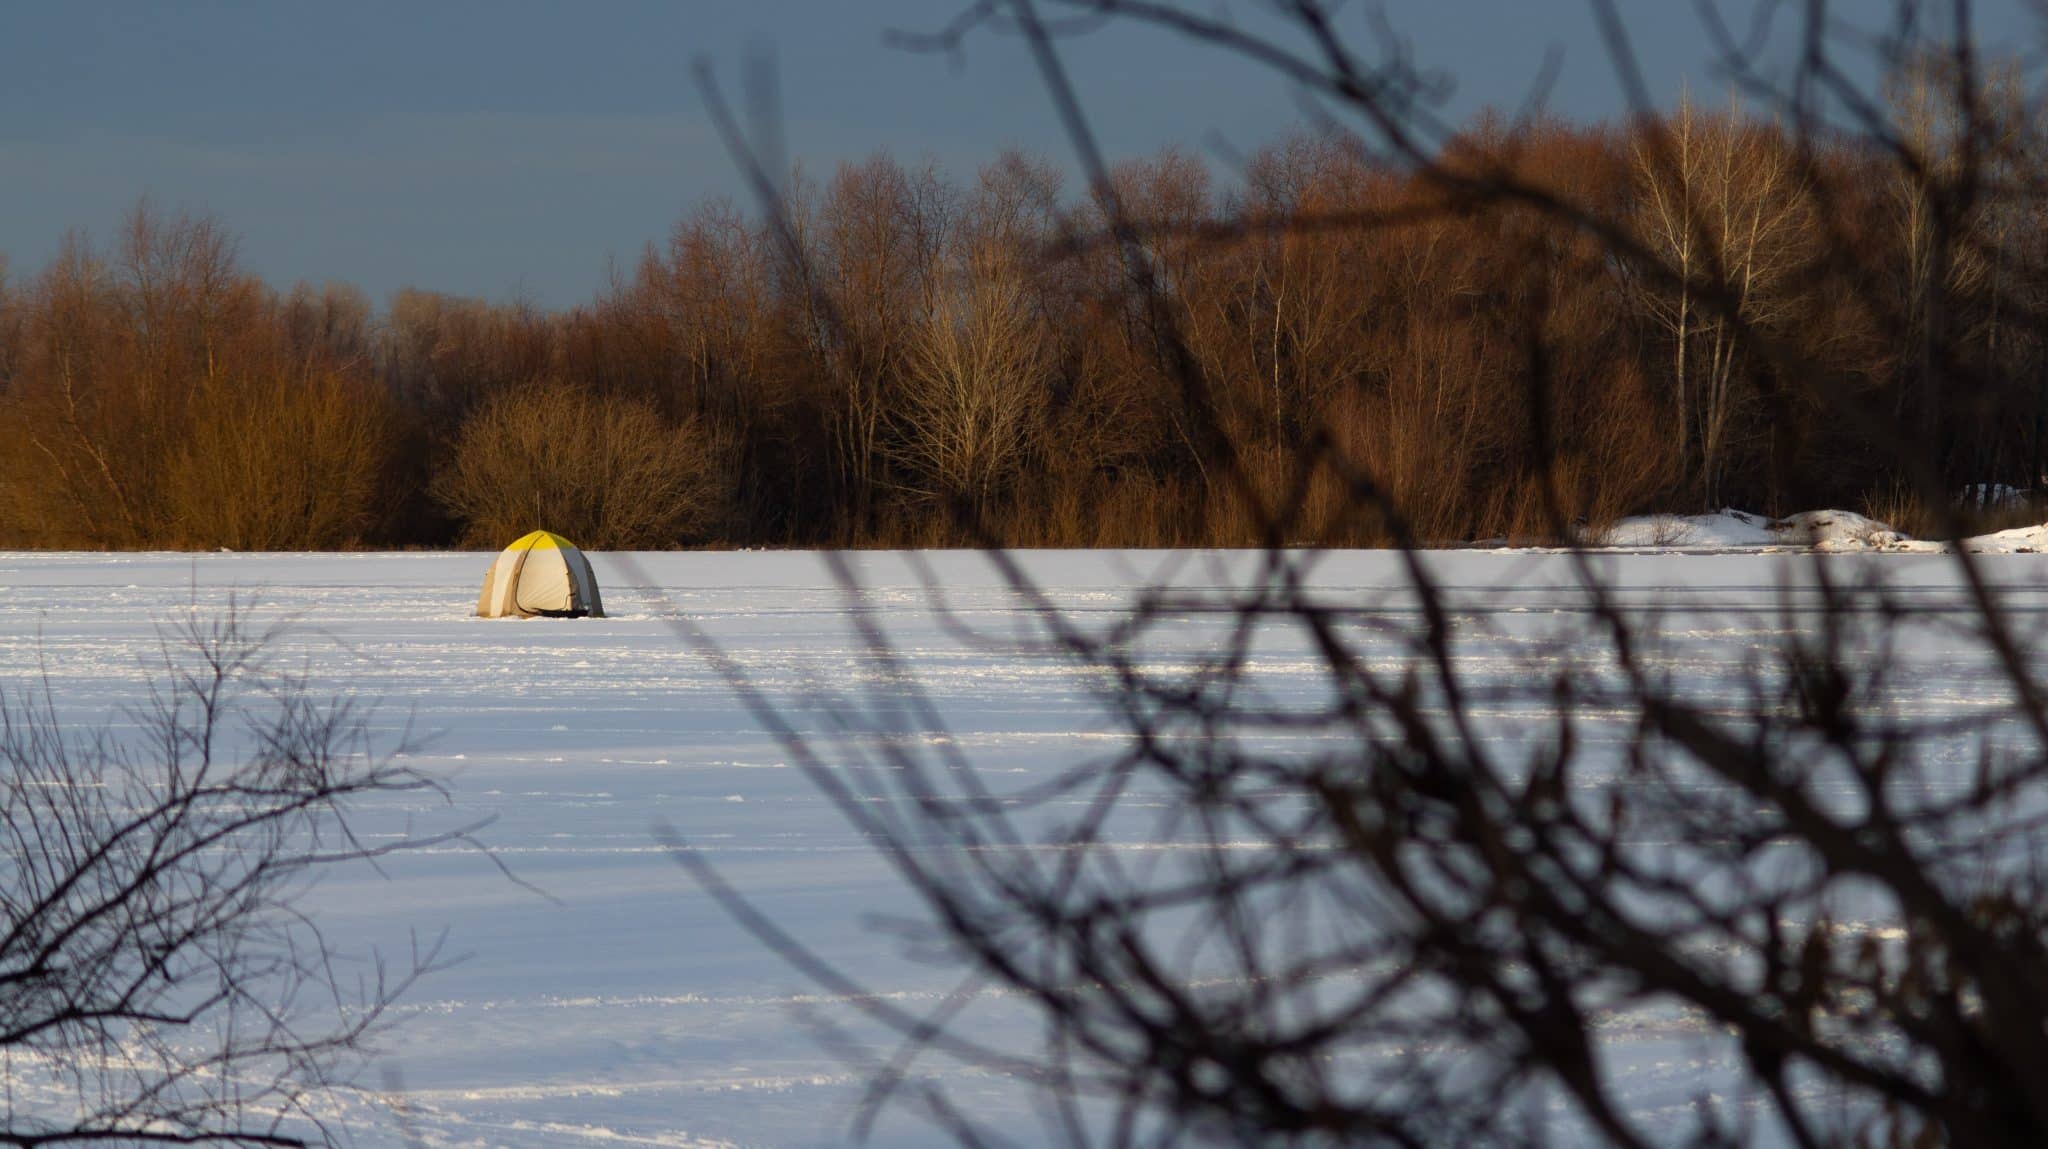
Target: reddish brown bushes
{"type": "Point", "coordinates": [939, 363]}
{"type": "Point", "coordinates": [160, 398]}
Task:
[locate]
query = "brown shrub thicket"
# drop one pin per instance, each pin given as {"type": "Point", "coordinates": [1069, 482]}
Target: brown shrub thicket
{"type": "Point", "coordinates": [155, 396]}
{"type": "Point", "coordinates": [915, 348]}
{"type": "Point", "coordinates": [607, 470]}
{"type": "Point", "coordinates": [280, 463]}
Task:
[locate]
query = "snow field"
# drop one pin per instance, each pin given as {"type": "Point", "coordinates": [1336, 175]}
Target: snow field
{"type": "Point", "coordinates": [623, 1008]}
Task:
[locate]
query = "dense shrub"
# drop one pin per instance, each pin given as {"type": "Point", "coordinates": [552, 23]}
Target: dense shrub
{"type": "Point", "coordinates": [295, 464]}
{"type": "Point", "coordinates": [608, 471]}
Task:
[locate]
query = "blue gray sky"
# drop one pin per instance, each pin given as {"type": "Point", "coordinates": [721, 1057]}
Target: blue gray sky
{"type": "Point", "coordinates": [513, 148]}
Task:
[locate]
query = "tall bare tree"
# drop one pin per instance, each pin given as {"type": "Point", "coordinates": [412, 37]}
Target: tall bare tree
{"type": "Point", "coordinates": [974, 392]}
{"type": "Point", "coordinates": [1725, 208]}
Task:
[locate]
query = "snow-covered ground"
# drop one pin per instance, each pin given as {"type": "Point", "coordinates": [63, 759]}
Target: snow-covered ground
{"type": "Point", "coordinates": [624, 1009]}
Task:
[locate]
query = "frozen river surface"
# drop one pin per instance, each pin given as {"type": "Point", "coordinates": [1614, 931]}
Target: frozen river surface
{"type": "Point", "coordinates": [624, 1008]}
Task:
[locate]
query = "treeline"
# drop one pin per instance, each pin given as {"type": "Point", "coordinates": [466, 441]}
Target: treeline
{"type": "Point", "coordinates": [906, 359]}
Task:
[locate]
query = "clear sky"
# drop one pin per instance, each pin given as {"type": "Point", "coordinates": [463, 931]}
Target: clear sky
{"type": "Point", "coordinates": [513, 147]}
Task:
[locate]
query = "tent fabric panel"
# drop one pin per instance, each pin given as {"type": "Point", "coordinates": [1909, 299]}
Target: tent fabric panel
{"type": "Point", "coordinates": [501, 585]}
{"type": "Point", "coordinates": [497, 593]}
{"type": "Point", "coordinates": [514, 574]}
{"type": "Point", "coordinates": [544, 583]}
{"type": "Point", "coordinates": [547, 540]}
{"type": "Point", "coordinates": [585, 583]}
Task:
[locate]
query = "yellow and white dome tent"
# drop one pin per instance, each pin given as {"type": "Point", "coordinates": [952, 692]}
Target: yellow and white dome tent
{"type": "Point", "coordinates": [541, 574]}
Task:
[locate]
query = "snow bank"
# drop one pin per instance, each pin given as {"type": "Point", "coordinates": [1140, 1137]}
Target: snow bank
{"type": "Point", "coordinates": [1838, 531]}
{"type": "Point", "coordinates": [1740, 530]}
{"type": "Point", "coordinates": [2017, 541]}
{"type": "Point", "coordinates": [1827, 531]}
{"type": "Point", "coordinates": [1723, 530]}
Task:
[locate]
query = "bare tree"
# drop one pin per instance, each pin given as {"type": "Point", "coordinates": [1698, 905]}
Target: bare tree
{"type": "Point", "coordinates": [1933, 215]}
{"type": "Point", "coordinates": [157, 985]}
{"type": "Point", "coordinates": [1726, 210]}
{"type": "Point", "coordinates": [77, 485]}
{"type": "Point", "coordinates": [974, 394]}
